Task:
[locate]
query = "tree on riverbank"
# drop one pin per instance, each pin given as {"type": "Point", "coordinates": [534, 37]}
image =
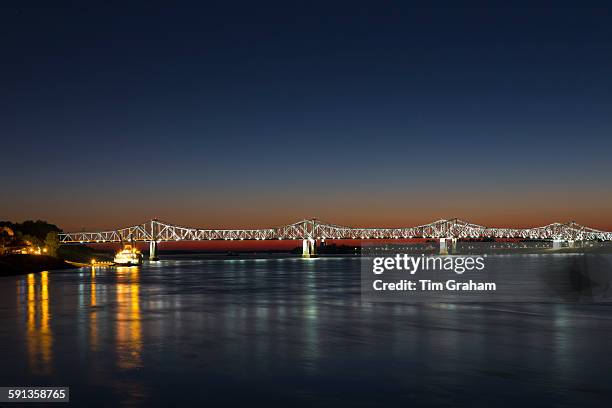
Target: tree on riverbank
{"type": "Point", "coordinates": [6, 237]}
{"type": "Point", "coordinates": [34, 229]}
{"type": "Point", "coordinates": [35, 236]}
{"type": "Point", "coordinates": [52, 243]}
{"type": "Point", "coordinates": [44, 235]}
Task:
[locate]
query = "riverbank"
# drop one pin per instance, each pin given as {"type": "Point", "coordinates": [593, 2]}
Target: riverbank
{"type": "Point", "coordinates": [11, 265]}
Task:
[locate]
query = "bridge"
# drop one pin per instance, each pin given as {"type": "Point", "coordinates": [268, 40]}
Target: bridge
{"type": "Point", "coordinates": [311, 230]}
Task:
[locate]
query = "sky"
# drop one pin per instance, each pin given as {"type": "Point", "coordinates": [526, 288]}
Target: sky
{"type": "Point", "coordinates": [253, 114]}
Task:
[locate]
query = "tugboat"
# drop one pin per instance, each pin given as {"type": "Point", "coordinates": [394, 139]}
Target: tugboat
{"type": "Point", "coordinates": [128, 256]}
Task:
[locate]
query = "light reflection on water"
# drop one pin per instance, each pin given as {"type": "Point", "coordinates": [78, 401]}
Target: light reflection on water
{"type": "Point", "coordinates": [266, 331]}
{"type": "Point", "coordinates": [39, 337]}
{"type": "Point", "coordinates": [129, 336]}
{"type": "Point", "coordinates": [93, 314]}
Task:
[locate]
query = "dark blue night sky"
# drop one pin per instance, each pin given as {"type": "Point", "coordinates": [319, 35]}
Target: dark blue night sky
{"type": "Point", "coordinates": [257, 113]}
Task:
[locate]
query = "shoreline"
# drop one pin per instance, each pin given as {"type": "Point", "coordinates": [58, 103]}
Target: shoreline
{"type": "Point", "coordinates": [17, 264]}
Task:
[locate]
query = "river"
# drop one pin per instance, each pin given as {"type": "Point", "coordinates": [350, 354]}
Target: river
{"type": "Point", "coordinates": [289, 332]}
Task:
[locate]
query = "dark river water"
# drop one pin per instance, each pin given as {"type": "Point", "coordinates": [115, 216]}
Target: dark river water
{"type": "Point", "coordinates": [290, 332]}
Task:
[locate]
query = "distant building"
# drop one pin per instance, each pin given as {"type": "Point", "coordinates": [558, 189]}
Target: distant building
{"type": "Point", "coordinates": [10, 244]}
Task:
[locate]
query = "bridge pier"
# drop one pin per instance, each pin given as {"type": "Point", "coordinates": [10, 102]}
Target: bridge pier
{"type": "Point", "coordinates": [558, 243]}
{"type": "Point", "coordinates": [153, 251]}
{"type": "Point", "coordinates": [309, 248]}
{"type": "Point", "coordinates": [454, 245]}
{"type": "Point", "coordinates": [443, 247]}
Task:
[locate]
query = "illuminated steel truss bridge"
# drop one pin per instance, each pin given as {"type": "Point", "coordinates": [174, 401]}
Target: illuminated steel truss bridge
{"type": "Point", "coordinates": [309, 231]}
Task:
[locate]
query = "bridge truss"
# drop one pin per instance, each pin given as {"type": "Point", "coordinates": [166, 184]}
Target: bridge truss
{"type": "Point", "coordinates": [313, 229]}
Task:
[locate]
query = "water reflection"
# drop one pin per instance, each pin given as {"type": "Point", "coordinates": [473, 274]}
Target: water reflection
{"type": "Point", "coordinates": [93, 316]}
{"type": "Point", "coordinates": [224, 324]}
{"type": "Point", "coordinates": [129, 331]}
{"type": "Point", "coordinates": [39, 338]}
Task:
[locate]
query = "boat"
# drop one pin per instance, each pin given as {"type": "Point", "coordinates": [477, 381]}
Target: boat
{"type": "Point", "coordinates": [128, 256]}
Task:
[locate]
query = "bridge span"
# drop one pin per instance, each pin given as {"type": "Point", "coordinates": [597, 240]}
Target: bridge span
{"type": "Point", "coordinates": [311, 230]}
